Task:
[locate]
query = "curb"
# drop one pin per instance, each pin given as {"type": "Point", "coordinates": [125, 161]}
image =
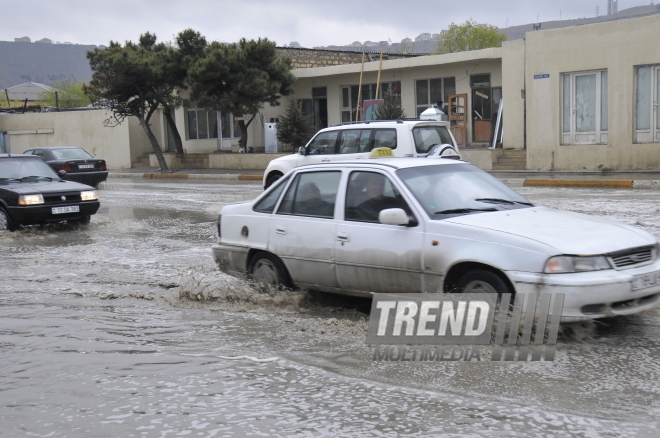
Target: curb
{"type": "Point", "coordinates": [512, 182]}
{"type": "Point", "coordinates": [200, 176]}
{"type": "Point", "coordinates": [582, 183]}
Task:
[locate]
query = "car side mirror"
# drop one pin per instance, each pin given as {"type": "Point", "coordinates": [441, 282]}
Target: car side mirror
{"type": "Point", "coordinates": [395, 216]}
{"type": "Point", "coordinates": [61, 173]}
{"type": "Point", "coordinates": [302, 150]}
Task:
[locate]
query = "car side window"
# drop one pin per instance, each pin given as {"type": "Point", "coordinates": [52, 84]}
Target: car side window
{"type": "Point", "coordinates": [385, 138]}
{"type": "Point", "coordinates": [323, 144]}
{"type": "Point", "coordinates": [267, 204]}
{"type": "Point", "coordinates": [354, 141]}
{"type": "Point", "coordinates": [312, 194]}
{"type": "Point", "coordinates": [368, 193]}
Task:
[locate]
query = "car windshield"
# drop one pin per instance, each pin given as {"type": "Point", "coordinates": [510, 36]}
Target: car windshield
{"type": "Point", "coordinates": [427, 136]}
{"type": "Point", "coordinates": [19, 168]}
{"type": "Point", "coordinates": [452, 189]}
{"type": "Point", "coordinates": [71, 154]}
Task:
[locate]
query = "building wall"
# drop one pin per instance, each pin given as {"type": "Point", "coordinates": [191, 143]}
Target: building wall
{"type": "Point", "coordinates": [617, 46]}
{"type": "Point", "coordinates": [84, 129]}
{"type": "Point", "coordinates": [407, 71]}
{"type": "Point", "coordinates": [513, 94]}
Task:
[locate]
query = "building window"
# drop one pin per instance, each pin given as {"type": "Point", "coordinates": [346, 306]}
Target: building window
{"type": "Point", "coordinates": [202, 123]}
{"type": "Point", "coordinates": [429, 91]}
{"type": "Point", "coordinates": [647, 98]}
{"type": "Point", "coordinates": [349, 97]}
{"type": "Point", "coordinates": [584, 107]}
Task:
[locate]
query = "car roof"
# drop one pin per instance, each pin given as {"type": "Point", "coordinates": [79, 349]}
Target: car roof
{"type": "Point", "coordinates": [18, 156]}
{"type": "Point", "coordinates": [56, 147]}
{"type": "Point", "coordinates": [382, 123]}
{"type": "Point", "coordinates": [395, 163]}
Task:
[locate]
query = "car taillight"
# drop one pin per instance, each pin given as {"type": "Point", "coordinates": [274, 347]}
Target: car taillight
{"type": "Point", "coordinates": [219, 220]}
{"type": "Point", "coordinates": [65, 167]}
{"type": "Point", "coordinates": [103, 166]}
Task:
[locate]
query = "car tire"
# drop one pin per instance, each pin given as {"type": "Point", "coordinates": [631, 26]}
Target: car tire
{"type": "Point", "coordinates": [482, 281]}
{"type": "Point", "coordinates": [271, 179]}
{"type": "Point", "coordinates": [268, 272]}
{"type": "Point", "coordinates": [6, 224]}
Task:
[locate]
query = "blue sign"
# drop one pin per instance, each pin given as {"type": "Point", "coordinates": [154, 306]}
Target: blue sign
{"type": "Point", "coordinates": [542, 76]}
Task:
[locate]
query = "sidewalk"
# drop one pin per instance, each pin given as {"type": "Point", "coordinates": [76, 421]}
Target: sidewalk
{"type": "Point", "coordinates": [646, 179]}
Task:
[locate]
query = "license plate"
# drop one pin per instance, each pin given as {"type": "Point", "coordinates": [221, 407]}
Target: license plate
{"type": "Point", "coordinates": [645, 280]}
{"type": "Point", "coordinates": [85, 166]}
{"type": "Point", "coordinates": [60, 210]}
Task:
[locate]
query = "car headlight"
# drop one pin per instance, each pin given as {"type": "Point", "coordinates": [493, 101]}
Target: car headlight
{"type": "Point", "coordinates": [89, 196]}
{"type": "Point", "coordinates": [30, 199]}
{"type": "Point", "coordinates": [564, 264]}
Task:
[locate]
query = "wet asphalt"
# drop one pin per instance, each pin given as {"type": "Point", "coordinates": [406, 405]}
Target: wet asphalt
{"type": "Point", "coordinates": [126, 328]}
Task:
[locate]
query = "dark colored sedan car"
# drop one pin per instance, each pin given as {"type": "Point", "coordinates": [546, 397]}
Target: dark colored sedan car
{"type": "Point", "coordinates": [79, 165]}
{"type": "Point", "coordinates": [32, 193]}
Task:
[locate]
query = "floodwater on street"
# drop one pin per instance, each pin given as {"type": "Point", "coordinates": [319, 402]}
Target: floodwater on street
{"type": "Point", "coordinates": [127, 328]}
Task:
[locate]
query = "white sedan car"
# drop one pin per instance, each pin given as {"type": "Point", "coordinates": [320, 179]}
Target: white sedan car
{"type": "Point", "coordinates": [397, 225]}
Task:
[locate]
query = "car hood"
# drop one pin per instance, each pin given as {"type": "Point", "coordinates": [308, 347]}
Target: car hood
{"type": "Point", "coordinates": [42, 186]}
{"type": "Point", "coordinates": [567, 232]}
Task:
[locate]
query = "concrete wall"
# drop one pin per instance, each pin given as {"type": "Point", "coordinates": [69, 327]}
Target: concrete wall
{"type": "Point", "coordinates": [306, 58]}
{"type": "Point", "coordinates": [241, 161]}
{"type": "Point", "coordinates": [140, 144]}
{"type": "Point", "coordinates": [84, 129]}
{"type": "Point", "coordinates": [617, 46]}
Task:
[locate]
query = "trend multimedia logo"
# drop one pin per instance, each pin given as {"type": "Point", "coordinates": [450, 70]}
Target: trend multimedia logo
{"type": "Point", "coordinates": [459, 325]}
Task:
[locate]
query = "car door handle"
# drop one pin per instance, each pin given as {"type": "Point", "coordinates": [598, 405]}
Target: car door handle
{"type": "Point", "coordinates": [280, 229]}
{"type": "Point", "coordinates": [326, 160]}
{"type": "Point", "coordinates": [343, 237]}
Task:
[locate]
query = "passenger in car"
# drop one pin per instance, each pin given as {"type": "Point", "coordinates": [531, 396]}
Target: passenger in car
{"type": "Point", "coordinates": [375, 188]}
{"type": "Point", "coordinates": [310, 203]}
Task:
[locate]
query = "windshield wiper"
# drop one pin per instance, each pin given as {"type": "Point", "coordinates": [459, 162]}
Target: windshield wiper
{"type": "Point", "coordinates": [9, 179]}
{"type": "Point", "coordinates": [503, 201]}
{"type": "Point", "coordinates": [36, 176]}
{"type": "Point", "coordinates": [464, 210]}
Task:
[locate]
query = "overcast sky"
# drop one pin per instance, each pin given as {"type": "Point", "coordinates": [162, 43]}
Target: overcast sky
{"type": "Point", "coordinates": [310, 22]}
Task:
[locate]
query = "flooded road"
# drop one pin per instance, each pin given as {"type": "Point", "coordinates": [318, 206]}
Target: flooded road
{"type": "Point", "coordinates": [108, 330]}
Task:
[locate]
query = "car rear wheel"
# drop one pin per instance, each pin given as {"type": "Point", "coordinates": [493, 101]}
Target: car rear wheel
{"type": "Point", "coordinates": [268, 272]}
{"type": "Point", "coordinates": [6, 223]}
{"type": "Point", "coordinates": [482, 281]}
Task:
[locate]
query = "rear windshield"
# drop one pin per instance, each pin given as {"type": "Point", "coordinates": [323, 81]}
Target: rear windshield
{"type": "Point", "coordinates": [71, 154]}
{"type": "Point", "coordinates": [428, 136]}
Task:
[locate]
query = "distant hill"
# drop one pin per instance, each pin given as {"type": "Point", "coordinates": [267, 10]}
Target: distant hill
{"type": "Point", "coordinates": [43, 63]}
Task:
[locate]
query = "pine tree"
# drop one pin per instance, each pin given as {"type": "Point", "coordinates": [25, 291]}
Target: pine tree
{"type": "Point", "coordinates": [391, 108]}
{"type": "Point", "coordinates": [294, 128]}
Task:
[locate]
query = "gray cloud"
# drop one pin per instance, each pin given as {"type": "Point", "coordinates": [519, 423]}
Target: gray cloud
{"type": "Point", "coordinates": [310, 22]}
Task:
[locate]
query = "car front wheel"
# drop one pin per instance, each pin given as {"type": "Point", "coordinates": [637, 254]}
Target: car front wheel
{"type": "Point", "coordinates": [268, 272]}
{"type": "Point", "coordinates": [6, 223]}
{"type": "Point", "coordinates": [482, 281]}
{"type": "Point", "coordinates": [271, 179]}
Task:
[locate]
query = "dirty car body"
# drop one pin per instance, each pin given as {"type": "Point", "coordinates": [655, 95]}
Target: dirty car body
{"type": "Point", "coordinates": [32, 193]}
{"type": "Point", "coordinates": [433, 225]}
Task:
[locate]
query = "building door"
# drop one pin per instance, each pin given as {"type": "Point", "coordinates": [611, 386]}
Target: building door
{"type": "Point", "coordinates": [457, 116]}
{"type": "Point", "coordinates": [481, 107]}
